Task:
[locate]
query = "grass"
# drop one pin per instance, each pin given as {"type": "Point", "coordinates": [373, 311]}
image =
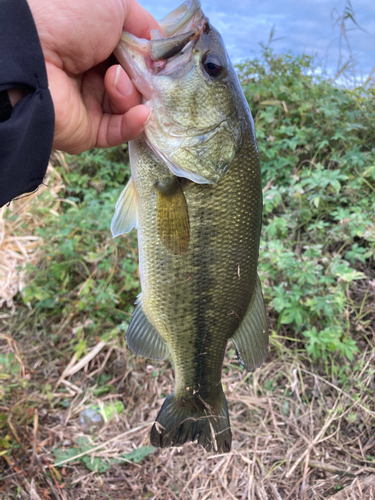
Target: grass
{"type": "Point", "coordinates": [295, 432]}
{"type": "Point", "coordinates": [303, 424]}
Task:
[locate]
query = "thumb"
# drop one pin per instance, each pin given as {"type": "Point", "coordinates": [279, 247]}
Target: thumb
{"type": "Point", "coordinates": [121, 92]}
{"type": "Point", "coordinates": [126, 118]}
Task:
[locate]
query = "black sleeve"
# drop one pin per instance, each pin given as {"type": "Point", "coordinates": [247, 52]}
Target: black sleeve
{"type": "Point", "coordinates": [26, 131]}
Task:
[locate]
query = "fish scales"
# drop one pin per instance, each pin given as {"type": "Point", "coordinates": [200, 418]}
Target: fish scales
{"type": "Point", "coordinates": [199, 295]}
{"type": "Point", "coordinates": [198, 236]}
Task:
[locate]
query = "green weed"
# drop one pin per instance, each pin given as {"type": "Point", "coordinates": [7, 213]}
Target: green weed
{"type": "Point", "coordinates": [317, 151]}
{"type": "Point", "coordinates": [85, 275]}
{"type": "Point", "coordinates": [82, 449]}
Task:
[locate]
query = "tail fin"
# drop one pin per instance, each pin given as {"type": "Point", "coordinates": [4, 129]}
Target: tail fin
{"type": "Point", "coordinates": [193, 419]}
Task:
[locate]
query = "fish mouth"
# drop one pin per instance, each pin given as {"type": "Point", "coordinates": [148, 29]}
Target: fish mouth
{"type": "Point", "coordinates": [160, 51]}
{"type": "Point", "coordinates": [182, 25]}
{"type": "Point", "coordinates": [143, 58]}
{"type": "Point", "coordinates": [165, 48]}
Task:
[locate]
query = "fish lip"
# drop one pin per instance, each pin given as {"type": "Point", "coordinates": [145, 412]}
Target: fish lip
{"type": "Point", "coordinates": [143, 59]}
{"type": "Point", "coordinates": [158, 52]}
{"type": "Point", "coordinates": [165, 48]}
{"type": "Point", "coordinates": [180, 17]}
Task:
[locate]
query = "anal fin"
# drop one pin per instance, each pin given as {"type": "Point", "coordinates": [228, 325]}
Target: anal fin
{"type": "Point", "coordinates": [143, 338]}
{"type": "Point", "coordinates": [251, 338]}
{"type": "Point", "coordinates": [126, 211]}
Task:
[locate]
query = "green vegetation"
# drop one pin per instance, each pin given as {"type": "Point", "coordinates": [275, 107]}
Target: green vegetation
{"type": "Point", "coordinates": [317, 265]}
{"type": "Point", "coordinates": [83, 448]}
{"type": "Point", "coordinates": [317, 151]}
{"type": "Point", "coordinates": [85, 274]}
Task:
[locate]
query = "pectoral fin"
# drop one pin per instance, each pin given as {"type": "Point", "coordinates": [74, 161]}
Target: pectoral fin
{"type": "Point", "coordinates": [125, 217]}
{"type": "Point", "coordinates": [251, 338]}
{"type": "Point", "coordinates": [172, 217]}
{"type": "Point", "coordinates": [143, 338]}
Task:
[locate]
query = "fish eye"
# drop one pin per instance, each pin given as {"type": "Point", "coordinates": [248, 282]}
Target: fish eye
{"type": "Point", "coordinates": [213, 65]}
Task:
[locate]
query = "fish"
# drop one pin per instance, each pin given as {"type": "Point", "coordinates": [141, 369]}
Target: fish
{"type": "Point", "coordinates": [195, 198]}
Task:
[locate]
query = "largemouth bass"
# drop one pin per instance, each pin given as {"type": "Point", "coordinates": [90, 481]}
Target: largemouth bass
{"type": "Point", "coordinates": [195, 197]}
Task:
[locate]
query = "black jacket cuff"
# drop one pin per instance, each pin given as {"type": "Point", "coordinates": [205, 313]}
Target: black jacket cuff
{"type": "Point", "coordinates": [26, 136]}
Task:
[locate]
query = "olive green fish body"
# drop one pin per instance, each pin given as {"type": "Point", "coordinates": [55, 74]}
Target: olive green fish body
{"type": "Point", "coordinates": [198, 215]}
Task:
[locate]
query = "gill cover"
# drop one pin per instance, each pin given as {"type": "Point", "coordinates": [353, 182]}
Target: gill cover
{"type": "Point", "coordinates": [189, 84]}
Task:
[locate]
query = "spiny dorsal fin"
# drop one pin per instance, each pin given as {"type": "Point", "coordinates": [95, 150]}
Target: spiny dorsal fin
{"type": "Point", "coordinates": [251, 338]}
{"type": "Point", "coordinates": [172, 217]}
{"type": "Point", "coordinates": [143, 338]}
{"type": "Point", "coordinates": [126, 211]}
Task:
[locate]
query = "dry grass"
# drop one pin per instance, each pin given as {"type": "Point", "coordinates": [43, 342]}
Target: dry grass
{"type": "Point", "coordinates": [303, 438]}
{"type": "Point", "coordinates": [18, 246]}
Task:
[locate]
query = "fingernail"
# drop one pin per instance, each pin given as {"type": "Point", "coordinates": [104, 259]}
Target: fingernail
{"type": "Point", "coordinates": [147, 120]}
{"type": "Point", "coordinates": [122, 82]}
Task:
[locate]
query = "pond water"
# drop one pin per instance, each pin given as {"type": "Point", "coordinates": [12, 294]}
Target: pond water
{"type": "Point", "coordinates": [301, 26]}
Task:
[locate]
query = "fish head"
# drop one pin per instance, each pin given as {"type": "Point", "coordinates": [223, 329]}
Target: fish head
{"type": "Point", "coordinates": [187, 80]}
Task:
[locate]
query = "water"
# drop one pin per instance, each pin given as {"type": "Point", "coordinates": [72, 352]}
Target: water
{"type": "Point", "coordinates": [300, 27]}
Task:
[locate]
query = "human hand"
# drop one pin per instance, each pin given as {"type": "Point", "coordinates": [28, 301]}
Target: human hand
{"type": "Point", "coordinates": [96, 105]}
